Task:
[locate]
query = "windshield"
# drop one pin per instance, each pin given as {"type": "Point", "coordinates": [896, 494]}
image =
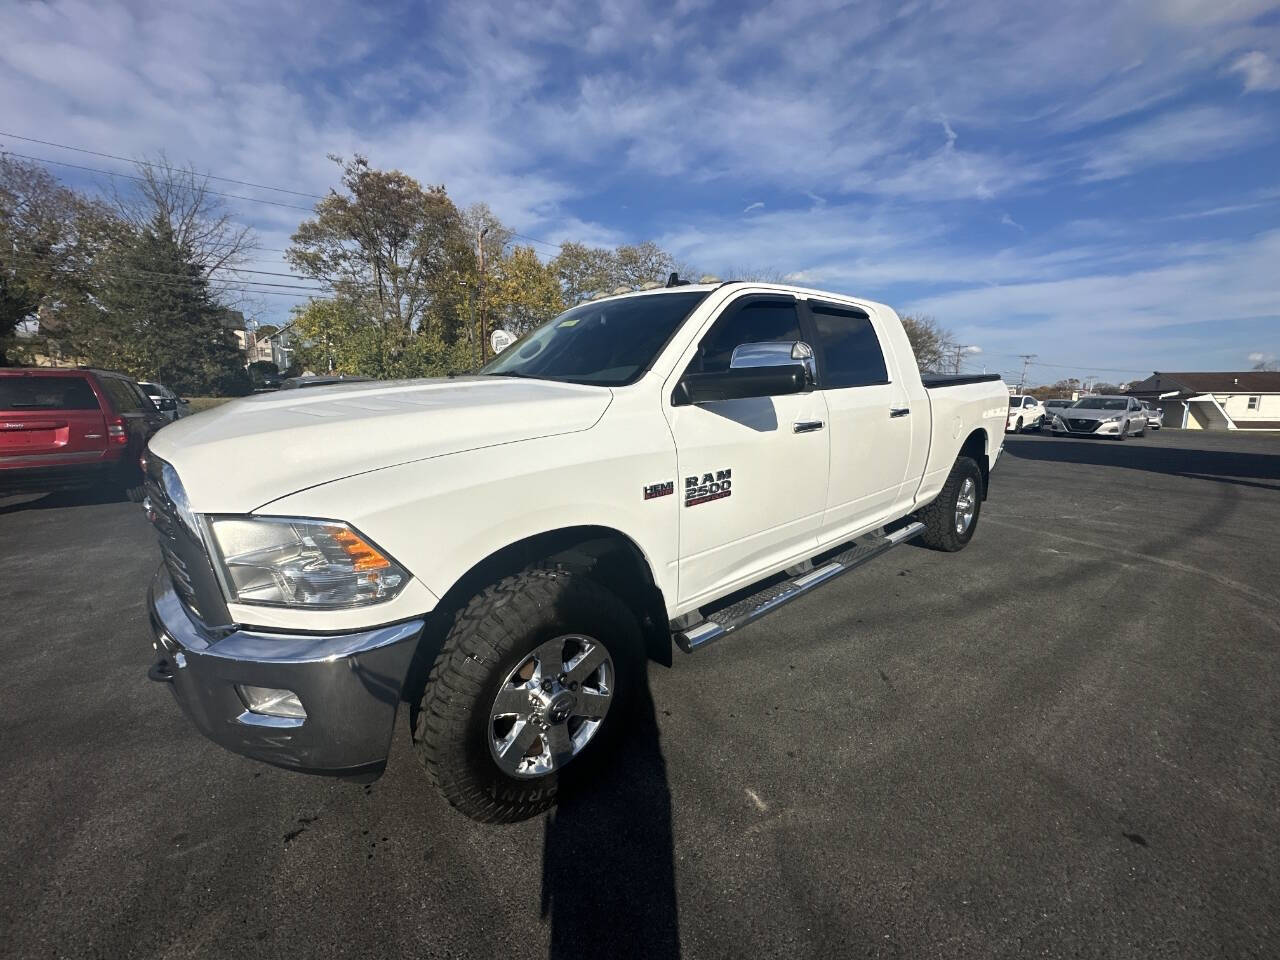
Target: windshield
{"type": "Point", "coordinates": [607, 343]}
{"type": "Point", "coordinates": [1102, 403]}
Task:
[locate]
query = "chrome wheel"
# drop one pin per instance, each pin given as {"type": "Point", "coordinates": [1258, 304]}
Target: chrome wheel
{"type": "Point", "coordinates": [550, 706]}
{"type": "Point", "coordinates": [966, 505]}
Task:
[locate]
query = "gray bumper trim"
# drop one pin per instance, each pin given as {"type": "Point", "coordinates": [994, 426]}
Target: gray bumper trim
{"type": "Point", "coordinates": [349, 684]}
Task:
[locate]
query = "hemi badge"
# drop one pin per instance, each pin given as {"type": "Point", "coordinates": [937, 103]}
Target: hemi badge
{"type": "Point", "coordinates": [655, 490]}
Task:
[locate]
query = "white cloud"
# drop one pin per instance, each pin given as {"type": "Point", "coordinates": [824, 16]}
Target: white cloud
{"type": "Point", "coordinates": [758, 205]}
{"type": "Point", "coordinates": [1258, 70]}
{"type": "Point", "coordinates": [1190, 135]}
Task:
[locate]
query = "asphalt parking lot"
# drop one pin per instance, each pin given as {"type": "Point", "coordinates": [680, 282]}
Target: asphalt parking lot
{"type": "Point", "coordinates": [1064, 741]}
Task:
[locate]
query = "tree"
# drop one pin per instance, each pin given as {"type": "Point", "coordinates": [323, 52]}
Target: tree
{"type": "Point", "coordinates": [582, 271]}
{"type": "Point", "coordinates": [640, 264]}
{"type": "Point", "coordinates": [933, 344]}
{"type": "Point", "coordinates": [394, 250]}
{"type": "Point", "coordinates": [197, 219]}
{"type": "Point", "coordinates": [50, 239]}
{"type": "Point", "coordinates": [157, 319]}
{"type": "Point", "coordinates": [526, 292]}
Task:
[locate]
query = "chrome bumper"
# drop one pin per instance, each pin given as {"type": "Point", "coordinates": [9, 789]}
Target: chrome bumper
{"type": "Point", "coordinates": [349, 684]}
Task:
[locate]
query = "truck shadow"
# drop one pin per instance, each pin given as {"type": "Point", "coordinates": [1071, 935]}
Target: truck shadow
{"type": "Point", "coordinates": [608, 870]}
{"type": "Point", "coordinates": [1221, 466]}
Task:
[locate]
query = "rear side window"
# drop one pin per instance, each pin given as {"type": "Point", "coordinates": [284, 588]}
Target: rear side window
{"type": "Point", "coordinates": [122, 398]}
{"type": "Point", "coordinates": [850, 349]}
{"type": "Point", "coordinates": [756, 321]}
{"type": "Point", "coordinates": [46, 393]}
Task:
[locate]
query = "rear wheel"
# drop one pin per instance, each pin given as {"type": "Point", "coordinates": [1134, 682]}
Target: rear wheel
{"type": "Point", "coordinates": [951, 519]}
{"type": "Point", "coordinates": [534, 674]}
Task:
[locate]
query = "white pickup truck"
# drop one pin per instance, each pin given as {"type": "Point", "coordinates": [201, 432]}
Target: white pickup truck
{"type": "Point", "coordinates": [499, 551]}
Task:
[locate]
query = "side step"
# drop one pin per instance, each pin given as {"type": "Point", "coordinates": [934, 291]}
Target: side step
{"type": "Point", "coordinates": [770, 598]}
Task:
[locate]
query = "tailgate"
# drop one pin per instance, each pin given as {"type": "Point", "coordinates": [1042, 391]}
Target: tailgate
{"type": "Point", "coordinates": [47, 415]}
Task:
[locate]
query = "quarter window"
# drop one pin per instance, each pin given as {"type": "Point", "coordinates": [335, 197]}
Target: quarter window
{"type": "Point", "coordinates": [756, 321]}
{"type": "Point", "coordinates": [850, 349]}
{"type": "Point", "coordinates": [122, 398]}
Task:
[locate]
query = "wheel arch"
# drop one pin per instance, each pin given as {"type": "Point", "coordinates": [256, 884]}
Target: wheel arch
{"type": "Point", "coordinates": [976, 446]}
{"type": "Point", "coordinates": [603, 553]}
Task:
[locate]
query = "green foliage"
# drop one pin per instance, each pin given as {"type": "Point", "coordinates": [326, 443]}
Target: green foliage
{"type": "Point", "coordinates": [526, 292]}
{"type": "Point", "coordinates": [156, 320]}
{"type": "Point", "coordinates": [585, 271]}
{"type": "Point", "coordinates": [337, 338]}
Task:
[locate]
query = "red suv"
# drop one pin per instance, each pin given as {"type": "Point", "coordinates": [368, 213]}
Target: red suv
{"type": "Point", "coordinates": [71, 428]}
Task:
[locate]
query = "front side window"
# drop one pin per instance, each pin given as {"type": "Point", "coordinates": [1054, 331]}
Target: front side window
{"type": "Point", "coordinates": [1029, 402]}
{"type": "Point", "coordinates": [605, 343]}
{"type": "Point", "coordinates": [756, 321]}
{"type": "Point", "coordinates": [850, 349]}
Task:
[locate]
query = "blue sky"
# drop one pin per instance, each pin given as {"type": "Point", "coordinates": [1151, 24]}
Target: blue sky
{"type": "Point", "coordinates": [1095, 183]}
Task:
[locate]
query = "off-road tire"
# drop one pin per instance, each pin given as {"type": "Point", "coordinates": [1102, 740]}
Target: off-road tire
{"type": "Point", "coordinates": [939, 516]}
{"type": "Point", "coordinates": [489, 638]}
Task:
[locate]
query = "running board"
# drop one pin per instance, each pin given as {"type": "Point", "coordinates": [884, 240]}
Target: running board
{"type": "Point", "coordinates": [770, 598]}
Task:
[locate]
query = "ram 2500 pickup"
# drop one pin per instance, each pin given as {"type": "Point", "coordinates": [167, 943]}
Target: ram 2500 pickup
{"type": "Point", "coordinates": [501, 552]}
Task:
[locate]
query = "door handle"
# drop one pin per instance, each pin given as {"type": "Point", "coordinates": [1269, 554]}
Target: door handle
{"type": "Point", "coordinates": [899, 411]}
{"type": "Point", "coordinates": [807, 426]}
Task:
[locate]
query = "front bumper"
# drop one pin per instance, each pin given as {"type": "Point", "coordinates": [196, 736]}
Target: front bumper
{"type": "Point", "coordinates": [1097, 428]}
{"type": "Point", "coordinates": [348, 683]}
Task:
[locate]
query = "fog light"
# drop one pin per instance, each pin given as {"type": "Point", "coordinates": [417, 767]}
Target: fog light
{"type": "Point", "coordinates": [271, 702]}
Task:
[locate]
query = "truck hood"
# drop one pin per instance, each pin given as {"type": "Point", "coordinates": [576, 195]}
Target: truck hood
{"type": "Point", "coordinates": [246, 453]}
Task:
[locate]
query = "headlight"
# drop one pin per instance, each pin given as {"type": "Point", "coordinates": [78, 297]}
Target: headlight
{"type": "Point", "coordinates": [1116, 419]}
{"type": "Point", "coordinates": [277, 561]}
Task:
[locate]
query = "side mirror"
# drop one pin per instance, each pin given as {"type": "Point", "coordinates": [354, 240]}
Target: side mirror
{"type": "Point", "coordinates": [755, 370]}
{"type": "Point", "coordinates": [184, 401]}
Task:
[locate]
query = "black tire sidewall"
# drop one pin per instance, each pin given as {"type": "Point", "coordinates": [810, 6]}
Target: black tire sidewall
{"type": "Point", "coordinates": [580, 607]}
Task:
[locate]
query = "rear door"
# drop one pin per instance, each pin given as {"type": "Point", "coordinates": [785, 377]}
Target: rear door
{"type": "Point", "coordinates": [141, 418]}
{"type": "Point", "coordinates": [872, 422]}
{"type": "Point", "coordinates": [50, 415]}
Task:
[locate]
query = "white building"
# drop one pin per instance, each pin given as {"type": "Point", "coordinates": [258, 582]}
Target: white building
{"type": "Point", "coordinates": [1249, 400]}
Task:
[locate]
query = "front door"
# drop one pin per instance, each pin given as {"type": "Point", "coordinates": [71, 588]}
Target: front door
{"type": "Point", "coordinates": [752, 472]}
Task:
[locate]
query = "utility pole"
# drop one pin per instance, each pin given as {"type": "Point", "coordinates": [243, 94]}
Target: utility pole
{"type": "Point", "coordinates": [961, 350]}
{"type": "Point", "coordinates": [484, 318]}
{"type": "Point", "coordinates": [1026, 362]}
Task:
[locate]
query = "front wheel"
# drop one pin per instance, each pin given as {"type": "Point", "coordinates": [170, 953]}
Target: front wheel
{"type": "Point", "coordinates": [1123, 434]}
{"type": "Point", "coordinates": [951, 519]}
{"type": "Point", "coordinates": [533, 675]}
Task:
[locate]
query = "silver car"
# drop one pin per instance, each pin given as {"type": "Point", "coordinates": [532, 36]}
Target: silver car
{"type": "Point", "coordinates": [170, 405]}
{"type": "Point", "coordinates": [1155, 416]}
{"type": "Point", "coordinates": [1112, 417]}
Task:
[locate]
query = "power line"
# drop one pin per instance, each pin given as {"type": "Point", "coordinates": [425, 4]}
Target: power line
{"type": "Point", "coordinates": [145, 163]}
{"type": "Point", "coordinates": [127, 176]}
{"type": "Point", "coordinates": [208, 278]}
{"type": "Point", "coordinates": [45, 258]}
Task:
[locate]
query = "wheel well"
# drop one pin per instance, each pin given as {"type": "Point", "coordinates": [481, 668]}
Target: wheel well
{"type": "Point", "coordinates": [606, 555]}
{"type": "Point", "coordinates": [975, 447]}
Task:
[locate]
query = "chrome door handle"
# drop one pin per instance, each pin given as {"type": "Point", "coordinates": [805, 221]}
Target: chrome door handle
{"type": "Point", "coordinates": [807, 426]}
{"type": "Point", "coordinates": [899, 411]}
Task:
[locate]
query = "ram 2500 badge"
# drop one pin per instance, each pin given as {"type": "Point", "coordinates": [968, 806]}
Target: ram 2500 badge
{"type": "Point", "coordinates": [496, 552]}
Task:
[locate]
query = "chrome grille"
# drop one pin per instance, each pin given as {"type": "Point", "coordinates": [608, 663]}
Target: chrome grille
{"type": "Point", "coordinates": [160, 513]}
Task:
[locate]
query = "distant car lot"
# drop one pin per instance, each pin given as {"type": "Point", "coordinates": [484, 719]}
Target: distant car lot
{"type": "Point", "coordinates": [918, 760]}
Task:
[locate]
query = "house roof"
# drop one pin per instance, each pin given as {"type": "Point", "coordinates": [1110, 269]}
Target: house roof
{"type": "Point", "coordinates": [1246, 381]}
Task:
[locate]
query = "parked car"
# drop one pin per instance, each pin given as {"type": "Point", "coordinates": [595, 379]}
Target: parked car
{"type": "Point", "coordinates": [1055, 405]}
{"type": "Point", "coordinates": [1103, 416]}
{"type": "Point", "coordinates": [1025, 413]}
{"type": "Point", "coordinates": [1155, 416]}
{"type": "Point", "coordinates": [62, 428]}
{"type": "Point", "coordinates": [167, 402]}
{"type": "Point", "coordinates": [490, 548]}
{"type": "Point", "coordinates": [269, 381]}
{"type": "Point", "coordinates": [293, 383]}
